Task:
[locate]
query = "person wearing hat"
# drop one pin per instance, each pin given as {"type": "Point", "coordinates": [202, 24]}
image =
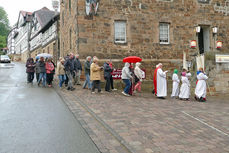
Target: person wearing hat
{"type": "Point", "coordinates": [60, 71]}
{"type": "Point", "coordinates": [185, 87]}
{"type": "Point", "coordinates": [176, 81]}
{"type": "Point", "coordinates": [160, 82]}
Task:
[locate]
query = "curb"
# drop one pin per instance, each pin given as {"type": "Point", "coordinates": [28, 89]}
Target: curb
{"type": "Point", "coordinates": [99, 120]}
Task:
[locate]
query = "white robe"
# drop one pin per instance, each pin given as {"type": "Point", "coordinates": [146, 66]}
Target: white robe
{"type": "Point", "coordinates": [176, 81]}
{"type": "Point", "coordinates": [161, 83]}
{"type": "Point", "coordinates": [185, 87]}
{"type": "Point", "coordinates": [201, 86]}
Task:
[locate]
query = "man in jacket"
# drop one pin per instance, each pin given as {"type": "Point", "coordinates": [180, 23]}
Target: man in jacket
{"type": "Point", "coordinates": [107, 76]}
{"type": "Point", "coordinates": [126, 77]}
{"type": "Point", "coordinates": [69, 68]}
{"type": "Point", "coordinates": [78, 70]}
{"type": "Point", "coordinates": [87, 72]}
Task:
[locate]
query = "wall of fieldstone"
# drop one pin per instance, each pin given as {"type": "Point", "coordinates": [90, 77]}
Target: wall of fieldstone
{"type": "Point", "coordinates": [94, 35]}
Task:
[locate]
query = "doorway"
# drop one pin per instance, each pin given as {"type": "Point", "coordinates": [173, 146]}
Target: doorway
{"type": "Point", "coordinates": [204, 39]}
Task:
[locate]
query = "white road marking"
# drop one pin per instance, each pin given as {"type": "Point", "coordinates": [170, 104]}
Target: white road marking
{"type": "Point", "coordinates": [212, 127]}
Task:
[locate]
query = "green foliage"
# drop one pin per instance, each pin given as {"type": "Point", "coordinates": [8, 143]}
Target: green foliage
{"type": "Point", "coordinates": [4, 27]}
{"type": "Point", "coordinates": [2, 41]}
{"type": "Point", "coordinates": [4, 22]}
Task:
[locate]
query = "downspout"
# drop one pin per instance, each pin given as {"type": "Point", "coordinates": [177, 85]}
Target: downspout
{"type": "Point", "coordinates": [77, 27]}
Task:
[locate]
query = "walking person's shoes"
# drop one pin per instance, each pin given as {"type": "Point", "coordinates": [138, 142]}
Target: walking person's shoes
{"type": "Point", "coordinates": [72, 89]}
{"type": "Point", "coordinates": [161, 97]}
{"type": "Point", "coordinates": [93, 92]}
{"type": "Point", "coordinates": [125, 94]}
{"type": "Point", "coordinates": [114, 89]}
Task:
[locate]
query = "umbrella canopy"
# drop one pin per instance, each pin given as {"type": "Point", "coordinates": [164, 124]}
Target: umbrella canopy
{"type": "Point", "coordinates": [45, 55]}
{"type": "Point", "coordinates": [132, 59]}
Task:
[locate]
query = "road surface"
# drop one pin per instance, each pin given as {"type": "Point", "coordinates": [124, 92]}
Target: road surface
{"type": "Point", "coordinates": [35, 119]}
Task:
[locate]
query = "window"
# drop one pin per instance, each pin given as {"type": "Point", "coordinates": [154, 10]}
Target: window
{"type": "Point", "coordinates": [164, 33]}
{"type": "Point", "coordinates": [120, 31]}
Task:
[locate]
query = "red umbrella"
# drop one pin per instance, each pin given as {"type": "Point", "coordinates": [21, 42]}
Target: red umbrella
{"type": "Point", "coordinates": [132, 59]}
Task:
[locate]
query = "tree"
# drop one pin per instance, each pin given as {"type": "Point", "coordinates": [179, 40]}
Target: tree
{"type": "Point", "coordinates": [4, 22]}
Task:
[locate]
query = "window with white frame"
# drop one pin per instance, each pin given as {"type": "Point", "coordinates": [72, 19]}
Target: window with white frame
{"type": "Point", "coordinates": [164, 33]}
{"type": "Point", "coordinates": [120, 31]}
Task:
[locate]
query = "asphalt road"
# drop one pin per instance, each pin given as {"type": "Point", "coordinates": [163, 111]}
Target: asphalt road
{"type": "Point", "coordinates": [34, 119]}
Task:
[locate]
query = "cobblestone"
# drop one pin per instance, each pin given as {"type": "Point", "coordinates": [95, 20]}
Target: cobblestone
{"type": "Point", "coordinates": [146, 124]}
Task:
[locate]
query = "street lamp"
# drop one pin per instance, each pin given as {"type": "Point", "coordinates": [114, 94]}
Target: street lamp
{"type": "Point", "coordinates": [198, 29]}
{"type": "Point", "coordinates": [215, 30]}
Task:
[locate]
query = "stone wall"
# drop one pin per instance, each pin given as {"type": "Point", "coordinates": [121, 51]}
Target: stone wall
{"type": "Point", "coordinates": [94, 35]}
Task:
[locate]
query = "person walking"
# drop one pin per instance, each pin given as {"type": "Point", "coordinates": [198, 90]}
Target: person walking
{"type": "Point", "coordinates": [95, 77]}
{"type": "Point", "coordinates": [49, 66]}
{"type": "Point", "coordinates": [161, 82]}
{"type": "Point", "coordinates": [138, 77]}
{"type": "Point", "coordinates": [61, 72]}
{"type": "Point", "coordinates": [107, 76]}
{"type": "Point", "coordinates": [111, 78]}
{"type": "Point", "coordinates": [87, 65]}
{"type": "Point", "coordinates": [36, 68]}
{"type": "Point", "coordinates": [201, 86]}
{"type": "Point", "coordinates": [176, 81]}
{"type": "Point", "coordinates": [42, 71]}
{"type": "Point", "coordinates": [126, 76]}
{"type": "Point", "coordinates": [30, 65]}
{"type": "Point", "coordinates": [69, 68]}
{"type": "Point", "coordinates": [185, 86]}
{"type": "Point", "coordinates": [78, 70]}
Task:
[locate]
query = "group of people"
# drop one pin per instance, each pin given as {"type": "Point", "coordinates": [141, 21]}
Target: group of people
{"type": "Point", "coordinates": [43, 68]}
{"type": "Point", "coordinates": [69, 71]}
{"type": "Point", "coordinates": [70, 68]}
{"type": "Point", "coordinates": [183, 93]}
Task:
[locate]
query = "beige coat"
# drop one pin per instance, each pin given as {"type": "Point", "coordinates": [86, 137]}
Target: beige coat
{"type": "Point", "coordinates": [60, 69]}
{"type": "Point", "coordinates": [95, 72]}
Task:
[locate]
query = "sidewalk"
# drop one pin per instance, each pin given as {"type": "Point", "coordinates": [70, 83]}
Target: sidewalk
{"type": "Point", "coordinates": [145, 124]}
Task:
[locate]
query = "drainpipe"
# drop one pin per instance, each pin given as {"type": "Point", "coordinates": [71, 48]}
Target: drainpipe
{"type": "Point", "coordinates": [77, 27]}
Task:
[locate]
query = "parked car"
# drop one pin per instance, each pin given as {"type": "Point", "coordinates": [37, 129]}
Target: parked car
{"type": "Point", "coordinates": [5, 59]}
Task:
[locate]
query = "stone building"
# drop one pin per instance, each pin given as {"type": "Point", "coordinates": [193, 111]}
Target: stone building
{"type": "Point", "coordinates": [156, 30]}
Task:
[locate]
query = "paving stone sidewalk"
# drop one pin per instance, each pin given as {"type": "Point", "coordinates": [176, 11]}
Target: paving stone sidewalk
{"type": "Point", "coordinates": [145, 124]}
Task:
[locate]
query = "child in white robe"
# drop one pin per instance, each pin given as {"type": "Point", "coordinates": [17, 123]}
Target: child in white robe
{"type": "Point", "coordinates": [176, 81]}
{"type": "Point", "coordinates": [185, 87]}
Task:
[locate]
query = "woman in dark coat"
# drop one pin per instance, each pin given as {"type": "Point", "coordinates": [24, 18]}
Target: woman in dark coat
{"type": "Point", "coordinates": [30, 69]}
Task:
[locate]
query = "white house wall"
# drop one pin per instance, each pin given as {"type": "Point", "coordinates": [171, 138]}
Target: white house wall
{"type": "Point", "coordinates": [21, 41]}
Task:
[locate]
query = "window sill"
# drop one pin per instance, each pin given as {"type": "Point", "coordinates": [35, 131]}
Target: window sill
{"type": "Point", "coordinates": [120, 43]}
{"type": "Point", "coordinates": [165, 44]}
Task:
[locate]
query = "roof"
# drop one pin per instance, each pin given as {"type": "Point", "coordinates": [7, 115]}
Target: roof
{"type": "Point", "coordinates": [44, 15]}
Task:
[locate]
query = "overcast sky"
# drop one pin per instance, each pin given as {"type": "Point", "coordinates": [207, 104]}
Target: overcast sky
{"type": "Point", "coordinates": [12, 7]}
